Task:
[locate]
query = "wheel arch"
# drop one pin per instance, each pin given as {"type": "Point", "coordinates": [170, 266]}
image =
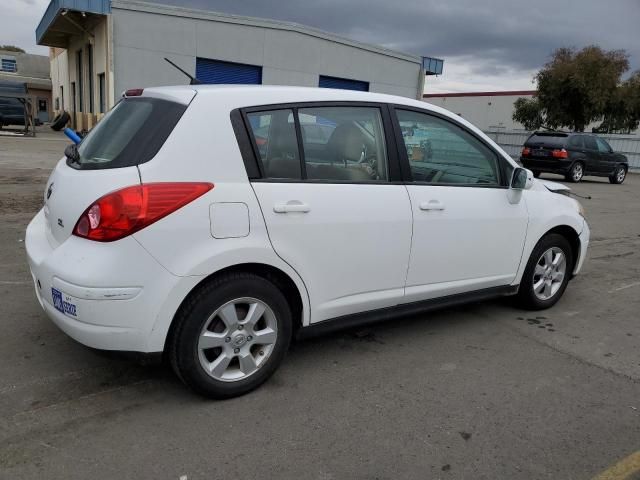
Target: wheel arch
{"type": "Point", "coordinates": [292, 292]}
{"type": "Point", "coordinates": [572, 236]}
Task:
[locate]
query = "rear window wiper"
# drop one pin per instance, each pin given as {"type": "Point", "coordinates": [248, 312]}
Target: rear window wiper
{"type": "Point", "coordinates": [71, 152]}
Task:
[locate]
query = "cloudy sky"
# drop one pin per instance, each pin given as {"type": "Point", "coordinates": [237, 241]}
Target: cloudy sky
{"type": "Point", "coordinates": [487, 45]}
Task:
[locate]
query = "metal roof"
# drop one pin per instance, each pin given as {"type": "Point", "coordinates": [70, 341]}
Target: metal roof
{"type": "Point", "coordinates": [57, 9]}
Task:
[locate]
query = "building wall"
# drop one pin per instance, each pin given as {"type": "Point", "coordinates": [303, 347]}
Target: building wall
{"type": "Point", "coordinates": [34, 71]}
{"type": "Point", "coordinates": [60, 90]}
{"type": "Point", "coordinates": [143, 38]}
{"type": "Point", "coordinates": [64, 73]}
{"type": "Point", "coordinates": [487, 112]}
{"type": "Point", "coordinates": [491, 111]}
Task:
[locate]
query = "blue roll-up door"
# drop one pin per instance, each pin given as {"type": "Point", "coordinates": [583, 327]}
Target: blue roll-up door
{"type": "Point", "coordinates": [343, 83]}
{"type": "Point", "coordinates": [219, 72]}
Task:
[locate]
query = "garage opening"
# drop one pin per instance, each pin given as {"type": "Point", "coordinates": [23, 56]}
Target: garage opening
{"type": "Point", "coordinates": [343, 83]}
{"type": "Point", "coordinates": [219, 72]}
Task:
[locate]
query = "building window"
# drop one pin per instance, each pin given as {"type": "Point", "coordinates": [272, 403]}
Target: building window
{"type": "Point", "coordinates": [8, 65]}
{"type": "Point", "coordinates": [101, 93]}
{"type": "Point", "coordinates": [343, 83]}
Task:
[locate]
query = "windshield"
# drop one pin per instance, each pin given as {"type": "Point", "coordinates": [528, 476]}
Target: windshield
{"type": "Point", "coordinates": [130, 134]}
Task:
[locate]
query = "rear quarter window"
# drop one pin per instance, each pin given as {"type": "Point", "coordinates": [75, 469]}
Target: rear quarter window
{"type": "Point", "coordinates": [130, 134]}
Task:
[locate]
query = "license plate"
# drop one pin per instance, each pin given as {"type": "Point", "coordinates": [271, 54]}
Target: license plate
{"type": "Point", "coordinates": [62, 303]}
{"type": "Point", "coordinates": [541, 153]}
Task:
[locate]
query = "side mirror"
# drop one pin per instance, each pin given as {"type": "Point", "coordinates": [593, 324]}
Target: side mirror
{"type": "Point", "coordinates": [522, 179]}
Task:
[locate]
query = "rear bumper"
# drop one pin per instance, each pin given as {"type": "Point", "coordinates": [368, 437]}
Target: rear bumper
{"type": "Point", "coordinates": [543, 165]}
{"type": "Point", "coordinates": [112, 292]}
{"type": "Point", "coordinates": [584, 245]}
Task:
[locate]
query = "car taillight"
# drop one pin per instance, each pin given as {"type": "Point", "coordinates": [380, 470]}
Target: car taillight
{"type": "Point", "coordinates": [560, 153]}
{"type": "Point", "coordinates": [526, 151]}
{"type": "Point", "coordinates": [128, 210]}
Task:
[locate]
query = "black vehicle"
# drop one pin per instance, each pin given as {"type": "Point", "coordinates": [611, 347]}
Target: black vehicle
{"type": "Point", "coordinates": [573, 155]}
{"type": "Point", "coordinates": [11, 112]}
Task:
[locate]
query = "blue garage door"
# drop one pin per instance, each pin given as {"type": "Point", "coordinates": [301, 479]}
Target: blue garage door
{"type": "Point", "coordinates": [343, 83]}
{"type": "Point", "coordinates": [218, 72]}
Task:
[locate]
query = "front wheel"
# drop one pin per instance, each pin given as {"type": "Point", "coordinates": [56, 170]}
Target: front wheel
{"type": "Point", "coordinates": [231, 335]}
{"type": "Point", "coordinates": [618, 175]}
{"type": "Point", "coordinates": [575, 173]}
{"type": "Point", "coordinates": [547, 273]}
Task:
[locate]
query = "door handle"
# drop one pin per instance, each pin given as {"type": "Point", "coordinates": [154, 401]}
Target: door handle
{"type": "Point", "coordinates": [292, 206]}
{"type": "Point", "coordinates": [432, 205]}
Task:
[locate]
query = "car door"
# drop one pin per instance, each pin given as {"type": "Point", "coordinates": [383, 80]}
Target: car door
{"type": "Point", "coordinates": [466, 234]}
{"type": "Point", "coordinates": [594, 158]}
{"type": "Point", "coordinates": [332, 208]}
{"type": "Point", "coordinates": [607, 157]}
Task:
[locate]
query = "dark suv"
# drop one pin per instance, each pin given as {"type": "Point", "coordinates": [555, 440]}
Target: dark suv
{"type": "Point", "coordinates": [573, 155]}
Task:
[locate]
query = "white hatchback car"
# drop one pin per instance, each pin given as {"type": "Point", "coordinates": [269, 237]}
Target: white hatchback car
{"type": "Point", "coordinates": [214, 223]}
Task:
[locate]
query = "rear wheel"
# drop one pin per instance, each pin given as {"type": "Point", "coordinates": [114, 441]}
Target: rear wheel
{"type": "Point", "coordinates": [547, 273]}
{"type": "Point", "coordinates": [231, 335]}
{"type": "Point", "coordinates": [618, 175]}
{"type": "Point", "coordinates": [536, 173]}
{"type": "Point", "coordinates": [575, 173]}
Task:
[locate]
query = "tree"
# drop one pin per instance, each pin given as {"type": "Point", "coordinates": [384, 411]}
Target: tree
{"type": "Point", "coordinates": [576, 88]}
{"type": "Point", "coordinates": [12, 48]}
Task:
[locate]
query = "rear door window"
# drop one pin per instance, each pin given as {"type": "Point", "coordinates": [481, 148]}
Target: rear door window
{"type": "Point", "coordinates": [344, 144]}
{"type": "Point", "coordinates": [590, 143]}
{"type": "Point", "coordinates": [576, 142]}
{"type": "Point", "coordinates": [130, 134]}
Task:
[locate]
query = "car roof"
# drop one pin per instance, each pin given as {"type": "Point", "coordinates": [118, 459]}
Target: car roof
{"type": "Point", "coordinates": [552, 132]}
{"type": "Point", "coordinates": [242, 96]}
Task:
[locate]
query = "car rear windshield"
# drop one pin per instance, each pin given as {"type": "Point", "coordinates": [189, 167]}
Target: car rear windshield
{"type": "Point", "coordinates": [550, 139]}
{"type": "Point", "coordinates": [130, 134]}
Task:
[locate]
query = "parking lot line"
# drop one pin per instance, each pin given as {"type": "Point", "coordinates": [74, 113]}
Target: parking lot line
{"type": "Point", "coordinates": [624, 287]}
{"type": "Point", "coordinates": [623, 469]}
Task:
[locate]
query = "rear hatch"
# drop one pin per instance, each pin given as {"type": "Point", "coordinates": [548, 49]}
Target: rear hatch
{"type": "Point", "coordinates": [107, 159]}
{"type": "Point", "coordinates": [542, 144]}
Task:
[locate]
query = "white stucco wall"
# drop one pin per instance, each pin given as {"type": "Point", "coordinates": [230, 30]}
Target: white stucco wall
{"type": "Point", "coordinates": [144, 34]}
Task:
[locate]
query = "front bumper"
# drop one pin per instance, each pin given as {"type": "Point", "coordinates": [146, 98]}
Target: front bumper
{"type": "Point", "coordinates": [117, 289]}
{"type": "Point", "coordinates": [584, 245]}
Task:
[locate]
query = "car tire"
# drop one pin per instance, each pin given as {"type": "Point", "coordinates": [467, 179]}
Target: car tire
{"type": "Point", "coordinates": [618, 175]}
{"type": "Point", "coordinates": [60, 121]}
{"type": "Point", "coordinates": [547, 273]}
{"type": "Point", "coordinates": [576, 172]}
{"type": "Point", "coordinates": [536, 173]}
{"type": "Point", "coordinates": [219, 344]}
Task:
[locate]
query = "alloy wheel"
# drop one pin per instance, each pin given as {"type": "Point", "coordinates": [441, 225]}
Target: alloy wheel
{"type": "Point", "coordinates": [549, 273]}
{"type": "Point", "coordinates": [237, 339]}
{"type": "Point", "coordinates": [620, 174]}
{"type": "Point", "coordinates": [577, 172]}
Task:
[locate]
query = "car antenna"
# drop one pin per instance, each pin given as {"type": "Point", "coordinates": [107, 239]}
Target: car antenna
{"type": "Point", "coordinates": [194, 80]}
